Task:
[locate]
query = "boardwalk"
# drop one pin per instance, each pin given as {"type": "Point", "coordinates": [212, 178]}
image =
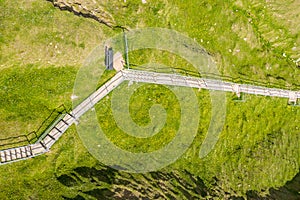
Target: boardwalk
{"type": "Point", "coordinates": [55, 131]}
{"type": "Point", "coordinates": [209, 84]}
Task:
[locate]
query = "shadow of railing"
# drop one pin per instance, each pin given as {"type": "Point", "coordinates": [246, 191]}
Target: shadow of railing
{"type": "Point", "coordinates": [32, 137]}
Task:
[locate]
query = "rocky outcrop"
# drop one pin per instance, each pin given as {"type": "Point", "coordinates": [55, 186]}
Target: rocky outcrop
{"type": "Point", "coordinates": [88, 9]}
{"type": "Point", "coordinates": [158, 185]}
{"type": "Point", "coordinates": [154, 185]}
{"type": "Point", "coordinates": [289, 191]}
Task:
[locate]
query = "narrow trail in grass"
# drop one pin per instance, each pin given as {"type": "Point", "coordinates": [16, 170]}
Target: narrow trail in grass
{"type": "Point", "coordinates": [55, 130]}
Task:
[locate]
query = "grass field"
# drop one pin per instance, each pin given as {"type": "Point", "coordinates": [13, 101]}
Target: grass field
{"type": "Point", "coordinates": [42, 49]}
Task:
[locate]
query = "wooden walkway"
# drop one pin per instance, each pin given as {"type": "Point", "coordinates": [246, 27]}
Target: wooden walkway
{"type": "Point", "coordinates": [209, 84]}
{"type": "Point", "coordinates": [55, 131]}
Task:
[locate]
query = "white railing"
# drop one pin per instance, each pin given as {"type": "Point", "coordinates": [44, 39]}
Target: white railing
{"type": "Point", "coordinates": [55, 131]}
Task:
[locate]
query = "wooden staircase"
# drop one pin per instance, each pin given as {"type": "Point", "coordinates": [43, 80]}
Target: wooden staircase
{"type": "Point", "coordinates": [55, 131]}
{"type": "Point", "coordinates": [16, 154]}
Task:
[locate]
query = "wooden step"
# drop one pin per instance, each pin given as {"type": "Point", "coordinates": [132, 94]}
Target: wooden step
{"type": "Point", "coordinates": [23, 152]}
{"type": "Point", "coordinates": [13, 154]}
{"type": "Point", "coordinates": [18, 153]}
{"type": "Point", "coordinates": [56, 133]}
{"type": "Point", "coordinates": [38, 149]}
{"type": "Point", "coordinates": [7, 155]}
{"type": "Point", "coordinates": [28, 150]}
{"type": "Point", "coordinates": [2, 156]}
{"type": "Point", "coordinates": [48, 141]}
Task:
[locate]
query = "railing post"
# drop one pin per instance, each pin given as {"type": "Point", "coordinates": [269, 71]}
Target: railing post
{"type": "Point", "coordinates": [126, 49]}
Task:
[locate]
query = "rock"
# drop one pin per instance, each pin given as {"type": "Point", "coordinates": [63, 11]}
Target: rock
{"type": "Point", "coordinates": [86, 9]}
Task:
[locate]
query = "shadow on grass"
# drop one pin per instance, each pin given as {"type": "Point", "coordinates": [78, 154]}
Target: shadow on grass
{"type": "Point", "coordinates": [32, 137]}
{"type": "Point", "coordinates": [106, 183]}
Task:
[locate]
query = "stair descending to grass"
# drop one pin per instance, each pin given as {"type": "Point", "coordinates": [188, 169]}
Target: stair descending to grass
{"type": "Point", "coordinates": [56, 130]}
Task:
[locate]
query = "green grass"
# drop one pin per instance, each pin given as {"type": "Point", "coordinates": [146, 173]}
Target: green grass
{"type": "Point", "coordinates": [256, 150]}
{"type": "Point", "coordinates": [37, 33]}
{"type": "Point", "coordinates": [28, 95]}
{"type": "Point", "coordinates": [142, 102]}
{"type": "Point", "coordinates": [36, 178]}
{"type": "Point", "coordinates": [42, 48]}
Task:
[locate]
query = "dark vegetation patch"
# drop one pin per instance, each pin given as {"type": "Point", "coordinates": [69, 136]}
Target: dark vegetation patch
{"type": "Point", "coordinates": [160, 185]}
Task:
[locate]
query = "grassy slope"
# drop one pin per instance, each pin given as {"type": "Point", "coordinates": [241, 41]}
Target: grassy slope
{"type": "Point", "coordinates": [36, 38]}
{"type": "Point", "coordinates": [246, 39]}
{"type": "Point", "coordinates": [37, 33]}
{"type": "Point", "coordinates": [258, 146]}
{"type": "Point", "coordinates": [41, 51]}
